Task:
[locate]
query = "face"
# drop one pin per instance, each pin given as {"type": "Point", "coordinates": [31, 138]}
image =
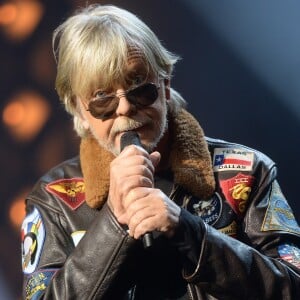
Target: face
{"type": "Point", "coordinates": [149, 122]}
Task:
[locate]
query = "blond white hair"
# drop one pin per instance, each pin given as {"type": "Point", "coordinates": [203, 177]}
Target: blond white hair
{"type": "Point", "coordinates": [94, 43]}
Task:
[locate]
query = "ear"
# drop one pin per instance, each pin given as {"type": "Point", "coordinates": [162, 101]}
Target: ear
{"type": "Point", "coordinates": [167, 88]}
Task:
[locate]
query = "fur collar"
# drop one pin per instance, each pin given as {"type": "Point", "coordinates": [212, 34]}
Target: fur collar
{"type": "Point", "coordinates": [190, 161]}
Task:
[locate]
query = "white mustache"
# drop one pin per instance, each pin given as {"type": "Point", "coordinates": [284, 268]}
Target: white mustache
{"type": "Point", "coordinates": [126, 124]}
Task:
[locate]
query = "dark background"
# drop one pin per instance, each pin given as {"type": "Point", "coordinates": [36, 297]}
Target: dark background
{"type": "Point", "coordinates": [239, 73]}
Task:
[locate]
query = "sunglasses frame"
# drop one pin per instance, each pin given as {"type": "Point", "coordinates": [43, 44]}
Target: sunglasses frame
{"type": "Point", "coordinates": [112, 100]}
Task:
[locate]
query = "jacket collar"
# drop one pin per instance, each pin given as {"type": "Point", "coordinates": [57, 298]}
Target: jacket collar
{"type": "Point", "coordinates": [190, 161]}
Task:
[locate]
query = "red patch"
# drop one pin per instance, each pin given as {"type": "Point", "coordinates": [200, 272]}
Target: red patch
{"type": "Point", "coordinates": [237, 190]}
{"type": "Point", "coordinates": [71, 191]}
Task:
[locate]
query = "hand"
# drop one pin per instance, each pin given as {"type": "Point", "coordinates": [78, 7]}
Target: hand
{"type": "Point", "coordinates": [148, 209]}
{"type": "Point", "coordinates": [133, 168]}
{"type": "Point", "coordinates": [132, 197]}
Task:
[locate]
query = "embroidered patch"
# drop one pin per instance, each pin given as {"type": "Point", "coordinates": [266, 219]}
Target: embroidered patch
{"type": "Point", "coordinates": [209, 210]}
{"type": "Point", "coordinates": [37, 283]}
{"type": "Point", "coordinates": [230, 230]}
{"type": "Point", "coordinates": [77, 236]}
{"type": "Point", "coordinates": [71, 191]}
{"type": "Point", "coordinates": [237, 190]}
{"type": "Point", "coordinates": [279, 215]}
{"type": "Point", "coordinates": [227, 159]}
{"type": "Point", "coordinates": [32, 237]}
{"type": "Point", "coordinates": [290, 253]}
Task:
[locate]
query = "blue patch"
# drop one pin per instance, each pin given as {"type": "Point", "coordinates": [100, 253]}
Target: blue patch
{"type": "Point", "coordinates": [37, 283]}
{"type": "Point", "coordinates": [33, 236]}
{"type": "Point", "coordinates": [208, 210]}
{"type": "Point", "coordinates": [290, 253]}
{"type": "Point", "coordinates": [279, 215]}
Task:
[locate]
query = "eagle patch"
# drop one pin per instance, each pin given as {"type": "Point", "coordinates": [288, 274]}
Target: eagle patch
{"type": "Point", "coordinates": [71, 191]}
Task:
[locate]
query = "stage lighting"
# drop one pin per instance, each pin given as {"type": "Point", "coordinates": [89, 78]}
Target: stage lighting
{"type": "Point", "coordinates": [19, 18]}
{"type": "Point", "coordinates": [25, 115]}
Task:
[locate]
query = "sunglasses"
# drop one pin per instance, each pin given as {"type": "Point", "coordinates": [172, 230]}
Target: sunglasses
{"type": "Point", "coordinates": [103, 107]}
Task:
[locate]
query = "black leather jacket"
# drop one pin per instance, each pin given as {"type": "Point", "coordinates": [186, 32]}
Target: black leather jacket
{"type": "Point", "coordinates": [243, 243]}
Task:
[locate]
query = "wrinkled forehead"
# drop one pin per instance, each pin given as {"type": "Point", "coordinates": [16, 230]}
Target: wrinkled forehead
{"type": "Point", "coordinates": [134, 55]}
{"type": "Point", "coordinates": [134, 64]}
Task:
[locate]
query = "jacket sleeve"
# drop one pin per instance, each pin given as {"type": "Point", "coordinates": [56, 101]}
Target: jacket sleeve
{"type": "Point", "coordinates": [55, 269]}
{"type": "Point", "coordinates": [263, 264]}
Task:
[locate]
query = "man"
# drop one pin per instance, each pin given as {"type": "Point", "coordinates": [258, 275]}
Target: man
{"type": "Point", "coordinates": [211, 213]}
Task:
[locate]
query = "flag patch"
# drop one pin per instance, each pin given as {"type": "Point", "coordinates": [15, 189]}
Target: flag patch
{"type": "Point", "coordinates": [227, 159]}
{"type": "Point", "coordinates": [290, 253]}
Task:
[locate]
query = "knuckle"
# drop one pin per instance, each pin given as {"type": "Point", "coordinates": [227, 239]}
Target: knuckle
{"type": "Point", "coordinates": [132, 193]}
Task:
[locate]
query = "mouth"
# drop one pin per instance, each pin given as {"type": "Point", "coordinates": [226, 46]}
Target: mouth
{"type": "Point", "coordinates": [123, 125]}
{"type": "Point", "coordinates": [136, 129]}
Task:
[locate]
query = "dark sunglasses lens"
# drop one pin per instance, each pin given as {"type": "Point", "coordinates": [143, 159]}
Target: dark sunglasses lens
{"type": "Point", "coordinates": [143, 95]}
{"type": "Point", "coordinates": [104, 108]}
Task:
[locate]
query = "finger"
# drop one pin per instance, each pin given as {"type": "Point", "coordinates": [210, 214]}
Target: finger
{"type": "Point", "coordinates": [135, 198]}
{"type": "Point", "coordinates": [153, 212]}
{"type": "Point", "coordinates": [142, 226]}
{"type": "Point", "coordinates": [133, 150]}
{"type": "Point", "coordinates": [131, 191]}
{"type": "Point", "coordinates": [126, 179]}
{"type": "Point", "coordinates": [141, 210]}
{"type": "Point", "coordinates": [122, 163]}
{"type": "Point", "coordinates": [155, 158]}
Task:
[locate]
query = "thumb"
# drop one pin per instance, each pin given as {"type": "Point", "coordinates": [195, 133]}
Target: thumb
{"type": "Point", "coordinates": [155, 158]}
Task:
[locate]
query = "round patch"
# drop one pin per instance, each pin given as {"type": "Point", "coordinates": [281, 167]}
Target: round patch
{"type": "Point", "coordinates": [209, 210]}
{"type": "Point", "coordinates": [33, 236]}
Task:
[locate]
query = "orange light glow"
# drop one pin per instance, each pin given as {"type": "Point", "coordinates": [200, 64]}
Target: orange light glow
{"type": "Point", "coordinates": [14, 114]}
{"type": "Point", "coordinates": [25, 115]}
{"type": "Point", "coordinates": [17, 210]}
{"type": "Point", "coordinates": [19, 18]}
{"type": "Point", "coordinates": [8, 13]}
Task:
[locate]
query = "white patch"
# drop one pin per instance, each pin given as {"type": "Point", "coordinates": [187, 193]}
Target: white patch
{"type": "Point", "coordinates": [33, 237]}
{"type": "Point", "coordinates": [77, 236]}
{"type": "Point", "coordinates": [228, 159]}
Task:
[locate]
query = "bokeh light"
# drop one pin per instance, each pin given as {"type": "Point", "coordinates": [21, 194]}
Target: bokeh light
{"type": "Point", "coordinates": [19, 18]}
{"type": "Point", "coordinates": [25, 114]}
{"type": "Point", "coordinates": [17, 210]}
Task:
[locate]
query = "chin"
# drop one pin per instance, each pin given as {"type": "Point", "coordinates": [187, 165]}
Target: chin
{"type": "Point", "coordinates": [151, 144]}
{"type": "Point", "coordinates": [149, 147]}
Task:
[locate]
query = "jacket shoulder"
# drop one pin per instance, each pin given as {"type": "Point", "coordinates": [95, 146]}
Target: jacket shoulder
{"type": "Point", "coordinates": [67, 169]}
{"type": "Point", "coordinates": [57, 182]}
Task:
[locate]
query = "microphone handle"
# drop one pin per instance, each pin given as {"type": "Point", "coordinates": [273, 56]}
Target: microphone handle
{"type": "Point", "coordinates": [132, 138]}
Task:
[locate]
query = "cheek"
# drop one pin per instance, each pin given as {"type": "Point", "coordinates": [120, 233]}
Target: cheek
{"type": "Point", "coordinates": [160, 109]}
{"type": "Point", "coordinates": [101, 129]}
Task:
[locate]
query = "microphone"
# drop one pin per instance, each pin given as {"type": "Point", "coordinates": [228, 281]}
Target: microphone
{"type": "Point", "coordinates": [132, 138]}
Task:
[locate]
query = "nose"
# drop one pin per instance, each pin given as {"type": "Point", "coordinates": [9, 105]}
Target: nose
{"type": "Point", "coordinates": [124, 108]}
